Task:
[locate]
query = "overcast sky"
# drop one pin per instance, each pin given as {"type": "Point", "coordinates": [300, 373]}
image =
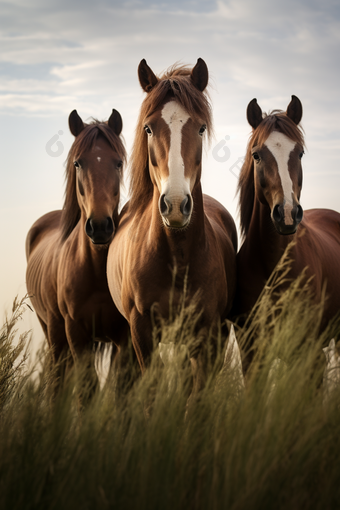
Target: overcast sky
{"type": "Point", "coordinates": [55, 57]}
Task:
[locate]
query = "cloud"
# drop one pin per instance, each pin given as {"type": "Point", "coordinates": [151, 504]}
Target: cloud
{"type": "Point", "coordinates": [93, 52]}
{"type": "Point", "coordinates": [84, 55]}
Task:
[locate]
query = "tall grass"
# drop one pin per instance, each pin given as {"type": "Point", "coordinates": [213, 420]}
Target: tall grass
{"type": "Point", "coordinates": [277, 445]}
{"type": "Point", "coordinates": [12, 357]}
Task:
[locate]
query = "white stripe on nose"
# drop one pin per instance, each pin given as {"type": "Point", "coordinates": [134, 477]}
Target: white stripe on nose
{"type": "Point", "coordinates": [281, 147]}
{"type": "Point", "coordinates": [176, 186]}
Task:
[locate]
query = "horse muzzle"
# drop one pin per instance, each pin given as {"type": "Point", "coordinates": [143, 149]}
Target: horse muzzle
{"type": "Point", "coordinates": [100, 232]}
{"type": "Point", "coordinates": [175, 213]}
{"type": "Point", "coordinates": [286, 221]}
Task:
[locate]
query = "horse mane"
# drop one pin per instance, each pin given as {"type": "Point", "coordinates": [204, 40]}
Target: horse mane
{"type": "Point", "coordinates": [277, 120]}
{"type": "Point", "coordinates": [176, 82]}
{"type": "Point", "coordinates": [83, 143]}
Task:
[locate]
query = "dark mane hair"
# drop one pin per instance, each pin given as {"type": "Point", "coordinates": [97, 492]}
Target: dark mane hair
{"type": "Point", "coordinates": [276, 120]}
{"type": "Point", "coordinates": [84, 142]}
{"type": "Point", "coordinates": [175, 81]}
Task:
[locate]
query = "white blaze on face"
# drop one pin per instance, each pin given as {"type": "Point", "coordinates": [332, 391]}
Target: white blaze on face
{"type": "Point", "coordinates": [281, 147]}
{"type": "Point", "coordinates": [176, 186]}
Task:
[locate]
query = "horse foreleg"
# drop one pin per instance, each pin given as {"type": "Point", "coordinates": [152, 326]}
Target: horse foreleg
{"type": "Point", "coordinates": [199, 368]}
{"type": "Point", "coordinates": [142, 341]}
{"type": "Point", "coordinates": [125, 369]}
{"type": "Point", "coordinates": [56, 337]}
{"type": "Point", "coordinates": [141, 335]}
{"type": "Point", "coordinates": [81, 346]}
{"type": "Point", "coordinates": [44, 326]}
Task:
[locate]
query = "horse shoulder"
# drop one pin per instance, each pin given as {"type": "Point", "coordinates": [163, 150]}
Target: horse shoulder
{"type": "Point", "coordinates": [221, 237]}
{"type": "Point", "coordinates": [117, 259]}
{"type": "Point", "coordinates": [251, 277]}
{"type": "Point", "coordinates": [220, 216]}
{"type": "Point", "coordinates": [74, 276]}
{"type": "Point", "coordinates": [142, 271]}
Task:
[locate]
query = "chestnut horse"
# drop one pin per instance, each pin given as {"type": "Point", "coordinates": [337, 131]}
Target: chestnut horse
{"type": "Point", "coordinates": [269, 187]}
{"type": "Point", "coordinates": [169, 223]}
{"type": "Point", "coordinates": [67, 250]}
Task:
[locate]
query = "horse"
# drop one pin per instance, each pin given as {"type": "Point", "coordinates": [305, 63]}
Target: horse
{"type": "Point", "coordinates": [169, 232]}
{"type": "Point", "coordinates": [67, 249]}
{"type": "Point", "coordinates": [271, 216]}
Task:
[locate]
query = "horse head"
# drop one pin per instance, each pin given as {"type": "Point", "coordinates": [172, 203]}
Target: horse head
{"type": "Point", "coordinates": [276, 149]}
{"type": "Point", "coordinates": [174, 123]}
{"type": "Point", "coordinates": [97, 158]}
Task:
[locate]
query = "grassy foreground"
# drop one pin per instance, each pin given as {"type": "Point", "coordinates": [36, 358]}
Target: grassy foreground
{"type": "Point", "coordinates": [274, 445]}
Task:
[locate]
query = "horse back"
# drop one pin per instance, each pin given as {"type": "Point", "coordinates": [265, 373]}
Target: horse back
{"type": "Point", "coordinates": [40, 229]}
{"type": "Point", "coordinates": [41, 274]}
{"type": "Point", "coordinates": [318, 249]}
{"type": "Point", "coordinates": [324, 220]}
{"type": "Point", "coordinates": [318, 241]}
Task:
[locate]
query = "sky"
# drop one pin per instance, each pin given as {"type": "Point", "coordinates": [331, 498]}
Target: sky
{"type": "Point", "coordinates": [65, 55]}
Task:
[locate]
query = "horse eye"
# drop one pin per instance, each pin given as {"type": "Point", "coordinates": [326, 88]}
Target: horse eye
{"type": "Point", "coordinates": [148, 130]}
{"type": "Point", "coordinates": [256, 156]}
{"type": "Point", "coordinates": [120, 164]}
{"type": "Point", "coordinates": [203, 128]}
{"type": "Point", "coordinates": [301, 154]}
{"type": "Point", "coordinates": [76, 164]}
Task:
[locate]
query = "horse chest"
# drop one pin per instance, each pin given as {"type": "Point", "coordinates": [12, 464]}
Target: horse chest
{"type": "Point", "coordinates": [165, 285]}
{"type": "Point", "coordinates": [81, 293]}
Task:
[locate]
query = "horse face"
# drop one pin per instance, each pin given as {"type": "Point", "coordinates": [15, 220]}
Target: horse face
{"type": "Point", "coordinates": [175, 153]}
{"type": "Point", "coordinates": [278, 180]}
{"type": "Point", "coordinates": [98, 180]}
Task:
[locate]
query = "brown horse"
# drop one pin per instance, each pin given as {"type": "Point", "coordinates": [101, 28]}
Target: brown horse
{"type": "Point", "coordinates": [269, 187]}
{"type": "Point", "coordinates": [168, 222]}
{"type": "Point", "coordinates": [67, 250]}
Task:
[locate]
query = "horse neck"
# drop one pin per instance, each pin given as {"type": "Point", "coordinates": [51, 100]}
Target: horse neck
{"type": "Point", "coordinates": [181, 244]}
{"type": "Point", "coordinates": [263, 239]}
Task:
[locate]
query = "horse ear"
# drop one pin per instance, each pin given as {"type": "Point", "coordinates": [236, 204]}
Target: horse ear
{"type": "Point", "coordinates": [200, 75]}
{"type": "Point", "coordinates": [75, 123]}
{"type": "Point", "coordinates": [115, 122]}
{"type": "Point", "coordinates": [147, 78]}
{"type": "Point", "coordinates": [294, 110]}
{"type": "Point", "coordinates": [254, 114]}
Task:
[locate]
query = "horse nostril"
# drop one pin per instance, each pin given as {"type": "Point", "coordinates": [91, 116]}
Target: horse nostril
{"type": "Point", "coordinates": [109, 227]}
{"type": "Point", "coordinates": [164, 206]}
{"type": "Point", "coordinates": [277, 213]}
{"type": "Point", "coordinates": [299, 214]}
{"type": "Point", "coordinates": [89, 227]}
{"type": "Point", "coordinates": [100, 232]}
{"type": "Point", "coordinates": [186, 206]}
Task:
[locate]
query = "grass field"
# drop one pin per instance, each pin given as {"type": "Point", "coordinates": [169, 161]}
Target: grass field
{"type": "Point", "coordinates": [274, 445]}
